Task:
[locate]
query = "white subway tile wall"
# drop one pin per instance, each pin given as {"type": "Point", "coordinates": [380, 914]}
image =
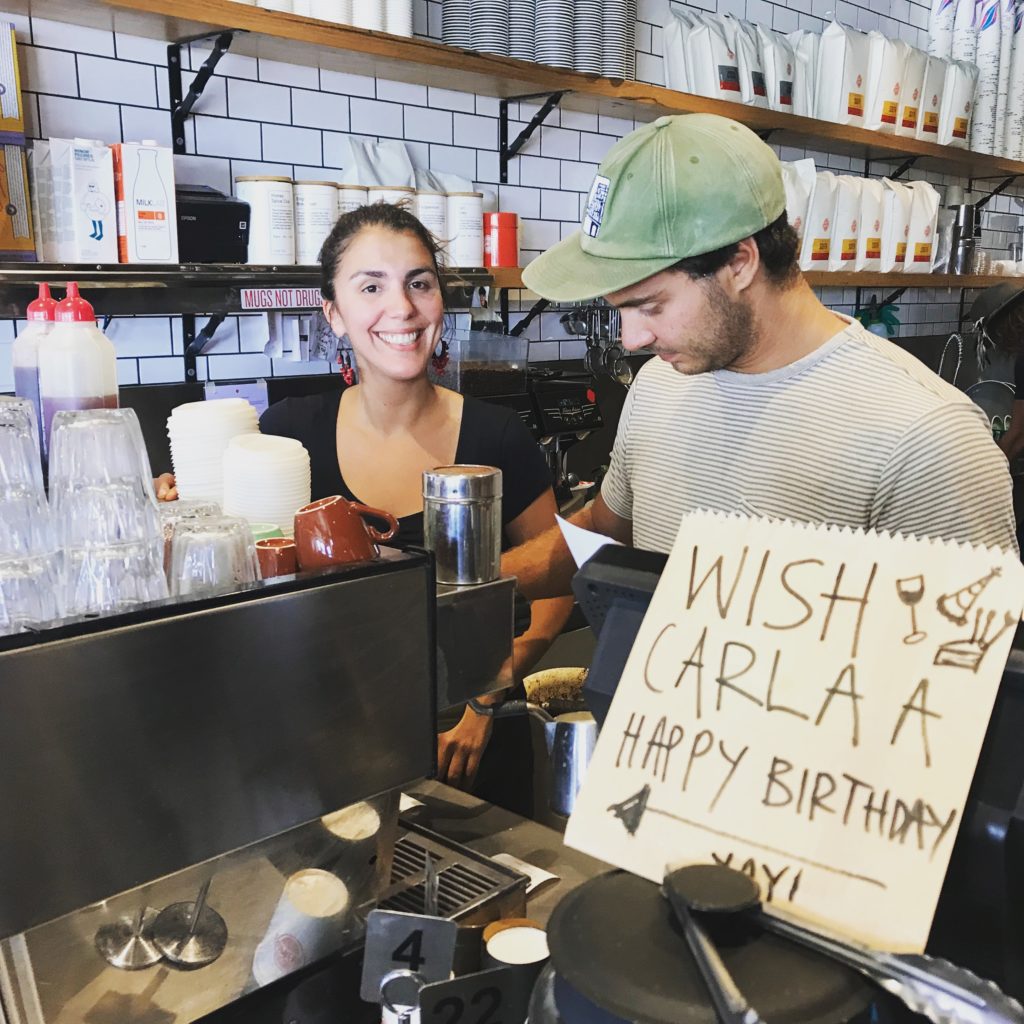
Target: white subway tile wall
{"type": "Point", "coordinates": [267, 117]}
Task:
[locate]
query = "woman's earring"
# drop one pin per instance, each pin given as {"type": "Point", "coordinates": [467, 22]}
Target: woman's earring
{"type": "Point", "coordinates": [439, 360]}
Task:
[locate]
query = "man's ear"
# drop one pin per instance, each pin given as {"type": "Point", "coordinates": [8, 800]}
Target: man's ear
{"type": "Point", "coordinates": [740, 271]}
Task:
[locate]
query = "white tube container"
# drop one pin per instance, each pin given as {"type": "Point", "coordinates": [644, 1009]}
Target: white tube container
{"type": "Point", "coordinates": [337, 11]}
{"type": "Point", "coordinates": [465, 228]}
{"type": "Point", "coordinates": [271, 218]}
{"type": "Point", "coordinates": [316, 210]}
{"type": "Point", "coordinates": [398, 17]}
{"type": "Point", "coordinates": [351, 197]}
{"type": "Point", "coordinates": [390, 194]}
{"type": "Point", "coordinates": [432, 212]}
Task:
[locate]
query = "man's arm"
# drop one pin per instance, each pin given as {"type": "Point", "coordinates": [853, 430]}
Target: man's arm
{"type": "Point", "coordinates": [544, 566]}
{"type": "Point", "coordinates": [1012, 442]}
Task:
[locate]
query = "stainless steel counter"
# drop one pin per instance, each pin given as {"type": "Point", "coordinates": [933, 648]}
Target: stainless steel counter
{"type": "Point", "coordinates": [487, 829]}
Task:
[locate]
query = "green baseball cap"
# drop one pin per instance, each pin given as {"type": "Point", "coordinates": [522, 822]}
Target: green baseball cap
{"type": "Point", "coordinates": [678, 187]}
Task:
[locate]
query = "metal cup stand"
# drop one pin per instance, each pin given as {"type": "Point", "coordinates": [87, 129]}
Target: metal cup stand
{"type": "Point", "coordinates": [128, 943]}
{"type": "Point", "coordinates": [191, 935]}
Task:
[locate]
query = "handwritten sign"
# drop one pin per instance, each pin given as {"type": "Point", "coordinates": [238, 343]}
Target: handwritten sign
{"type": "Point", "coordinates": [281, 298]}
{"type": "Point", "coordinates": [807, 705]}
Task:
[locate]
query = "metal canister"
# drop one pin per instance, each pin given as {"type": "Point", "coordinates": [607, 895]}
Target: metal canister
{"type": "Point", "coordinates": [961, 259]}
{"type": "Point", "coordinates": [462, 522]}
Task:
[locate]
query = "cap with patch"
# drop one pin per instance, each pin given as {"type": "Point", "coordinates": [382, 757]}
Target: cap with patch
{"type": "Point", "coordinates": [678, 187]}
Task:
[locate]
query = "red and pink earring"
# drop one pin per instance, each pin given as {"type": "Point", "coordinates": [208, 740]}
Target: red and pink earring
{"type": "Point", "coordinates": [439, 360]}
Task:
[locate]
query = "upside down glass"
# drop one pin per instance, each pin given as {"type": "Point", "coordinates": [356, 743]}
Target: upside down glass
{"type": "Point", "coordinates": [212, 556]}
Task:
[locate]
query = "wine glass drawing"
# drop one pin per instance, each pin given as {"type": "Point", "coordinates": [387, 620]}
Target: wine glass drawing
{"type": "Point", "coordinates": [911, 590]}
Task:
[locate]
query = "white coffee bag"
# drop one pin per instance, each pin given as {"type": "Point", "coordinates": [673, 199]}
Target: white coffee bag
{"type": "Point", "coordinates": [677, 26]}
{"type": "Point", "coordinates": [898, 201]}
{"type": "Point", "coordinates": [869, 229]}
{"type": "Point", "coordinates": [805, 72]}
{"type": "Point", "coordinates": [817, 244]}
{"type": "Point", "coordinates": [915, 67]}
{"type": "Point", "coordinates": [843, 57]}
{"type": "Point", "coordinates": [710, 61]}
{"type": "Point", "coordinates": [983, 128]}
{"type": "Point", "coordinates": [887, 61]}
{"type": "Point", "coordinates": [936, 69]}
{"type": "Point", "coordinates": [798, 178]}
{"type": "Point", "coordinates": [924, 214]}
{"type": "Point", "coordinates": [778, 58]}
{"type": "Point", "coordinates": [940, 28]}
{"type": "Point", "coordinates": [753, 88]}
{"type": "Point", "coordinates": [845, 224]}
{"type": "Point", "coordinates": [957, 107]}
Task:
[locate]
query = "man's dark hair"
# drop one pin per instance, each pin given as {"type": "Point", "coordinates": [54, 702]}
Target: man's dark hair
{"type": "Point", "coordinates": [778, 245]}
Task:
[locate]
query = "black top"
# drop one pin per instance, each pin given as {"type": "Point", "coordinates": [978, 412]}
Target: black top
{"type": "Point", "coordinates": [1018, 376]}
{"type": "Point", "coordinates": [489, 435]}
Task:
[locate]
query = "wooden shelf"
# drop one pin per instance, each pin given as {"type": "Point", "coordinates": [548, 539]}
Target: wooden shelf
{"type": "Point", "coordinates": [513, 278]}
{"type": "Point", "coordinates": [299, 40]}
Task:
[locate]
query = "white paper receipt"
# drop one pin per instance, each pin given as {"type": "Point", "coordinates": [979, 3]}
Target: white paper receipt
{"type": "Point", "coordinates": [807, 705]}
{"type": "Point", "coordinates": [583, 544]}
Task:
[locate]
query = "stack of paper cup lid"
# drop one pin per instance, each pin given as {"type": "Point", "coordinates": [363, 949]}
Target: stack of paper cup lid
{"type": "Point", "coordinates": [266, 479]}
{"type": "Point", "coordinates": [456, 23]}
{"type": "Point", "coordinates": [337, 11]}
{"type": "Point", "coordinates": [553, 39]}
{"type": "Point", "coordinates": [588, 36]}
{"type": "Point", "coordinates": [398, 17]}
{"type": "Point", "coordinates": [199, 433]}
{"type": "Point", "coordinates": [520, 29]}
{"type": "Point", "coordinates": [490, 27]}
{"type": "Point", "coordinates": [619, 35]}
{"type": "Point", "coordinates": [368, 14]}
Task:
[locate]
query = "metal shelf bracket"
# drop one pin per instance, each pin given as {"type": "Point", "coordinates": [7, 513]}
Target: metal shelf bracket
{"type": "Point", "coordinates": [181, 105]}
{"type": "Point", "coordinates": [194, 343]}
{"type": "Point", "coordinates": [1003, 185]}
{"type": "Point", "coordinates": [507, 150]}
{"type": "Point", "coordinates": [538, 307]}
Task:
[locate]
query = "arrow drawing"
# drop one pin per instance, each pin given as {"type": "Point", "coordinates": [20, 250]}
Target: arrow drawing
{"type": "Point", "coordinates": [630, 813]}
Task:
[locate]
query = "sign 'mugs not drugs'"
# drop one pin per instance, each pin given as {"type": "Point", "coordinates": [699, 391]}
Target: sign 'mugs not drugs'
{"type": "Point", "coordinates": [807, 705]}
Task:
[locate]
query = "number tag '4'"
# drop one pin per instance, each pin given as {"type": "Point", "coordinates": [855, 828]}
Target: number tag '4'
{"type": "Point", "coordinates": [410, 942]}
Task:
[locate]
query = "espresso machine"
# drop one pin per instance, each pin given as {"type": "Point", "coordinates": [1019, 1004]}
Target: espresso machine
{"type": "Point", "coordinates": [202, 796]}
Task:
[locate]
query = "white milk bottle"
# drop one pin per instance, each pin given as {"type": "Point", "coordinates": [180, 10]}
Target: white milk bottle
{"type": "Point", "coordinates": [25, 351]}
{"type": "Point", "coordinates": [77, 363]}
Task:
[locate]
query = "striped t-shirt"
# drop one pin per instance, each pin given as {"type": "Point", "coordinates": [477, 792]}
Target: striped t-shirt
{"type": "Point", "coordinates": [859, 433]}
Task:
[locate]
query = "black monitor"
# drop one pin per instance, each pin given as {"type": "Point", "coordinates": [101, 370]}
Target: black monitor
{"type": "Point", "coordinates": [979, 922]}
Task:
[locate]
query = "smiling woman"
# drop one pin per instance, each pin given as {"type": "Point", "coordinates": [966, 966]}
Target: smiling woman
{"type": "Point", "coordinates": [371, 443]}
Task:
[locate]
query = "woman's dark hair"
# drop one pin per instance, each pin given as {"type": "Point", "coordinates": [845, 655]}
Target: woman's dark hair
{"type": "Point", "coordinates": [376, 215]}
{"type": "Point", "coordinates": [778, 245]}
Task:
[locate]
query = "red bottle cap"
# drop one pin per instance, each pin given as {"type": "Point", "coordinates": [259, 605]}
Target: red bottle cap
{"type": "Point", "coordinates": [43, 309]}
{"type": "Point", "coordinates": [74, 309]}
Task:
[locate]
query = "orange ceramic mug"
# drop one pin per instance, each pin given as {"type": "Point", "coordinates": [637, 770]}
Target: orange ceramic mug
{"type": "Point", "coordinates": [333, 531]}
{"type": "Point", "coordinates": [277, 557]}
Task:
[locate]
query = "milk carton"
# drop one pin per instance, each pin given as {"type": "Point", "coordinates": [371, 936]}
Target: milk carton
{"type": "Point", "coordinates": [85, 222]}
{"type": "Point", "coordinates": [147, 224]}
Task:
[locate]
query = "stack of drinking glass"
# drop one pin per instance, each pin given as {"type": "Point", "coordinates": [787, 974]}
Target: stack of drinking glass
{"type": "Point", "coordinates": [29, 565]}
{"type": "Point", "coordinates": [105, 512]}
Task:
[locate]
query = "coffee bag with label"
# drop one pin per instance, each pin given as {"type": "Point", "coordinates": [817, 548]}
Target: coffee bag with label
{"type": "Point", "coordinates": [817, 243]}
{"type": "Point", "coordinates": [805, 72]}
{"type": "Point", "coordinates": [778, 58]}
{"type": "Point", "coordinates": [869, 229]}
{"type": "Point", "coordinates": [915, 66]}
{"type": "Point", "coordinates": [843, 58]}
{"type": "Point", "coordinates": [886, 65]}
{"type": "Point", "coordinates": [711, 62]}
{"type": "Point", "coordinates": [924, 214]}
{"type": "Point", "coordinates": [677, 26]}
{"type": "Point", "coordinates": [798, 178]}
{"type": "Point", "coordinates": [956, 109]}
{"type": "Point", "coordinates": [935, 73]}
{"type": "Point", "coordinates": [743, 38]}
{"type": "Point", "coordinates": [845, 224]}
{"type": "Point", "coordinates": [898, 201]}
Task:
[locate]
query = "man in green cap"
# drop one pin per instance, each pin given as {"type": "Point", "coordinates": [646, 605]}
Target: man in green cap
{"type": "Point", "coordinates": [761, 400]}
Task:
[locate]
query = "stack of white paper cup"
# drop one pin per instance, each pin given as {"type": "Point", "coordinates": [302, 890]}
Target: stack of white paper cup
{"type": "Point", "coordinates": [490, 27]}
{"type": "Point", "coordinates": [276, 5]}
{"type": "Point", "coordinates": [588, 38]}
{"type": "Point", "coordinates": [398, 17]}
{"type": "Point", "coordinates": [456, 23]}
{"type": "Point", "coordinates": [368, 14]}
{"type": "Point", "coordinates": [553, 33]}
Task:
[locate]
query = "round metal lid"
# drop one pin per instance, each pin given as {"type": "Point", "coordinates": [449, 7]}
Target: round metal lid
{"type": "Point", "coordinates": [462, 483]}
{"type": "Point", "coordinates": [615, 941]}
